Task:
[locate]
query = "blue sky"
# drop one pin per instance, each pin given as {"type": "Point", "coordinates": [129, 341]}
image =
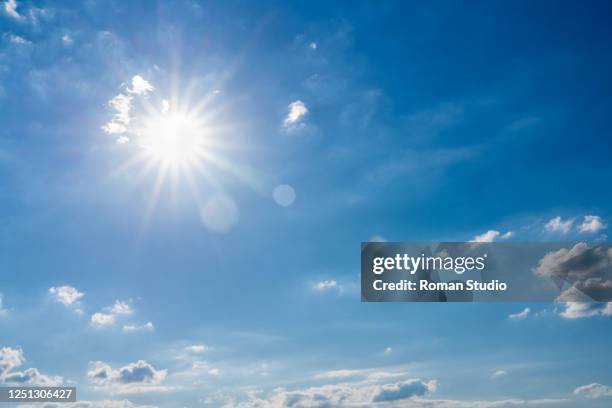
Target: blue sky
{"type": "Point", "coordinates": [224, 272]}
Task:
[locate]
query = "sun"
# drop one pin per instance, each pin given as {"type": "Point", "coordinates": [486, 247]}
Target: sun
{"type": "Point", "coordinates": [173, 138]}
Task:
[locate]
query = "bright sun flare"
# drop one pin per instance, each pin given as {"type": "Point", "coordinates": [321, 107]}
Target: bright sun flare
{"type": "Point", "coordinates": [173, 138]}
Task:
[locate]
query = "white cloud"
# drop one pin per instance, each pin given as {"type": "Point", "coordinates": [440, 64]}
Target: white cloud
{"type": "Point", "coordinates": [140, 86]}
{"type": "Point", "coordinates": [557, 224]}
{"type": "Point", "coordinates": [297, 112]}
{"type": "Point", "coordinates": [121, 308]}
{"type": "Point", "coordinates": [325, 285]}
{"type": "Point", "coordinates": [66, 295]}
{"type": "Point", "coordinates": [507, 235]}
{"type": "Point", "coordinates": [102, 319]}
{"type": "Point", "coordinates": [67, 39]}
{"type": "Point", "coordinates": [499, 373]}
{"type": "Point", "coordinates": [594, 390]}
{"type": "Point", "coordinates": [388, 350]}
{"type": "Point", "coordinates": [196, 348]}
{"type": "Point", "coordinates": [580, 262]}
{"type": "Point", "coordinates": [122, 105]}
{"type": "Point", "coordinates": [108, 316]}
{"type": "Point", "coordinates": [10, 8]}
{"type": "Point", "coordinates": [10, 359]}
{"type": "Point", "coordinates": [357, 394]}
{"type": "Point", "coordinates": [520, 315]}
{"type": "Point", "coordinates": [313, 45]}
{"type": "Point", "coordinates": [579, 310]}
{"type": "Point", "coordinates": [135, 377]}
{"type": "Point", "coordinates": [131, 328]}
{"type": "Point", "coordinates": [591, 224]}
{"type": "Point", "coordinates": [488, 236]}
{"type": "Point", "coordinates": [17, 39]}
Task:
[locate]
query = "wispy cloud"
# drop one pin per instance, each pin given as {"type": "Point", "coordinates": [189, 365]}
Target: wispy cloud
{"type": "Point", "coordinates": [132, 328]}
{"type": "Point", "coordinates": [594, 390]}
{"type": "Point", "coordinates": [520, 315]}
{"type": "Point", "coordinates": [17, 39]}
{"type": "Point", "coordinates": [325, 285]}
{"type": "Point", "coordinates": [499, 373]}
{"type": "Point", "coordinates": [196, 348]}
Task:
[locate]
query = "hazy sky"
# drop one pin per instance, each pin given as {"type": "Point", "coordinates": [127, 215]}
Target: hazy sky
{"type": "Point", "coordinates": [224, 270]}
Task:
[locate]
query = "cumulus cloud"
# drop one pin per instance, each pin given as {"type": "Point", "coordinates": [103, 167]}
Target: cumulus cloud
{"type": "Point", "coordinates": [588, 271]}
{"type": "Point", "coordinates": [10, 8]}
{"type": "Point", "coordinates": [133, 378]}
{"type": "Point", "coordinates": [370, 388]}
{"type": "Point", "coordinates": [591, 224]}
{"type": "Point", "coordinates": [579, 310]}
{"type": "Point", "coordinates": [520, 315]}
{"type": "Point", "coordinates": [582, 261]}
{"type": "Point", "coordinates": [10, 359]}
{"type": "Point", "coordinates": [66, 295]}
{"type": "Point", "coordinates": [297, 111]}
{"type": "Point", "coordinates": [488, 236]}
{"type": "Point", "coordinates": [557, 224]}
{"type": "Point", "coordinates": [102, 319]}
{"type": "Point", "coordinates": [121, 308]}
{"type": "Point", "coordinates": [109, 315]}
{"type": "Point", "coordinates": [122, 105]}
{"type": "Point", "coordinates": [358, 394]}
{"type": "Point", "coordinates": [140, 86]}
{"type": "Point", "coordinates": [594, 390]}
